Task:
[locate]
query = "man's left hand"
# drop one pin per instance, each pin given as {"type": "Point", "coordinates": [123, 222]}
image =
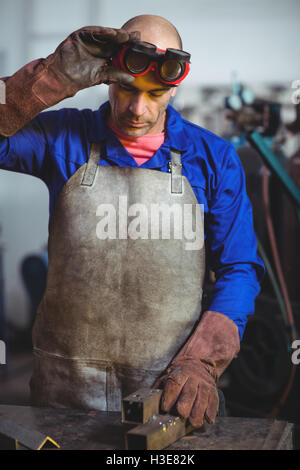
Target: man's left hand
{"type": "Point", "coordinates": [190, 387]}
{"type": "Point", "coordinates": [190, 382]}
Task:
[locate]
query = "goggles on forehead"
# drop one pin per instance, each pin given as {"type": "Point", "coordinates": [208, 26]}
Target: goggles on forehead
{"type": "Point", "coordinates": [171, 66]}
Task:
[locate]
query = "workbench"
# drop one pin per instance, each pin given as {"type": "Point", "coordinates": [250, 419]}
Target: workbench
{"type": "Point", "coordinates": [100, 430]}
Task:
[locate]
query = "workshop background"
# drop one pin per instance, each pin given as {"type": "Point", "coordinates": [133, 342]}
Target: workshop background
{"type": "Point", "coordinates": [245, 78]}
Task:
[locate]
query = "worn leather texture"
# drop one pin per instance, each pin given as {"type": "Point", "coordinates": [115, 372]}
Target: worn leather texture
{"type": "Point", "coordinates": [115, 311]}
{"type": "Point", "coordinates": [190, 382]}
{"type": "Point", "coordinates": [78, 62]}
{"type": "Point", "coordinates": [215, 342]}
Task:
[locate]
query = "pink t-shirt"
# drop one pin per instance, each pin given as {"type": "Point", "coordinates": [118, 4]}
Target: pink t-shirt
{"type": "Point", "coordinates": [141, 148]}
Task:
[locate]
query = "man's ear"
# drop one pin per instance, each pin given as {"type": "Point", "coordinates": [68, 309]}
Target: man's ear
{"type": "Point", "coordinates": [174, 91]}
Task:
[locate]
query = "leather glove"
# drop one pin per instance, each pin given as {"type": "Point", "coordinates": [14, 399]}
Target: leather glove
{"type": "Point", "coordinates": [190, 382]}
{"type": "Point", "coordinates": [78, 62]}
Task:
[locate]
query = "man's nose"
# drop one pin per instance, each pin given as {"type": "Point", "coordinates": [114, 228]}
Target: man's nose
{"type": "Point", "coordinates": [138, 104]}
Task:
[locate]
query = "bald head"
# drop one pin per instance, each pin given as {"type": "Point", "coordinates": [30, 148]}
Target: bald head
{"type": "Point", "coordinates": [155, 29]}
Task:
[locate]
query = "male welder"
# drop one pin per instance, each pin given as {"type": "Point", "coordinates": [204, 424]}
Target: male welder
{"type": "Point", "coordinates": [123, 312]}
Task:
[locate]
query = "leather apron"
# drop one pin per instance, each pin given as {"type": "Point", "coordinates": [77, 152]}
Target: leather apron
{"type": "Point", "coordinates": [119, 304]}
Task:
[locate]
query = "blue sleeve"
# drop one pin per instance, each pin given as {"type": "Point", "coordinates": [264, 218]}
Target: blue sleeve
{"type": "Point", "coordinates": [232, 246]}
{"type": "Point", "coordinates": [25, 151]}
{"type": "Point", "coordinates": [51, 147]}
{"type": "Point", "coordinates": [39, 145]}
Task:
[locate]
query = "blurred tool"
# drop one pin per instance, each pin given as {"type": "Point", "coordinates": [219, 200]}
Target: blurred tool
{"type": "Point", "coordinates": [240, 96]}
{"type": "Point", "coordinates": [248, 112]}
{"type": "Point", "coordinates": [264, 365]}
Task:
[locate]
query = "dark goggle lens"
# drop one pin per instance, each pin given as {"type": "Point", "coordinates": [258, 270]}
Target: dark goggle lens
{"type": "Point", "coordinates": [170, 70]}
{"type": "Point", "coordinates": [136, 62]}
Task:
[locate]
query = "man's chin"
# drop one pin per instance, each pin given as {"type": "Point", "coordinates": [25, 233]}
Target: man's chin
{"type": "Point", "coordinates": [135, 131]}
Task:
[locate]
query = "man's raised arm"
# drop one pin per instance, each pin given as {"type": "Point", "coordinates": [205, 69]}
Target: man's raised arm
{"type": "Point", "coordinates": [78, 62]}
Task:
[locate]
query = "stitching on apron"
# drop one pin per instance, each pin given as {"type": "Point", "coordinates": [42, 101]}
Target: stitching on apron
{"type": "Point", "coordinates": [105, 364]}
{"type": "Point", "coordinates": [92, 165]}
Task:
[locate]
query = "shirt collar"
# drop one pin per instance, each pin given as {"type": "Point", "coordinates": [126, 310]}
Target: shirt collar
{"type": "Point", "coordinates": [175, 138]}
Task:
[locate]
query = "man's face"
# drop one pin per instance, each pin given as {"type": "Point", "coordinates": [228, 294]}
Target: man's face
{"type": "Point", "coordinates": [139, 109]}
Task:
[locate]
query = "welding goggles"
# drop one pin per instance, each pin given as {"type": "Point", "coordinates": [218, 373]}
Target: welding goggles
{"type": "Point", "coordinates": [171, 66]}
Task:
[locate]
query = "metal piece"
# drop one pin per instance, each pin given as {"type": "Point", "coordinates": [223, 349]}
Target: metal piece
{"type": "Point", "coordinates": [76, 429]}
{"type": "Point", "coordinates": [232, 433]}
{"type": "Point", "coordinates": [16, 437]}
{"type": "Point", "coordinates": [158, 433]}
{"type": "Point", "coordinates": [140, 406]}
{"type": "Point", "coordinates": [278, 437]}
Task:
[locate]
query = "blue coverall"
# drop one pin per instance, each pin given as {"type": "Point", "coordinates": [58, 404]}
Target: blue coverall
{"type": "Point", "coordinates": [56, 143]}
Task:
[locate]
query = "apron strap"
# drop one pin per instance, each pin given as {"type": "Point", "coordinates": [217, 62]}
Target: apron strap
{"type": "Point", "coordinates": [92, 165]}
{"type": "Point", "coordinates": [175, 167]}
